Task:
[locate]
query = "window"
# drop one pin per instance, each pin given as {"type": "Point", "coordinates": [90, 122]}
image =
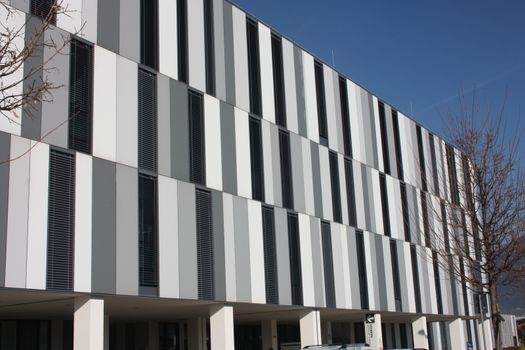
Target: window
{"type": "Point", "coordinates": [286, 169]}
{"type": "Point", "coordinates": [406, 215]}
{"type": "Point", "coordinates": [384, 137]}
{"type": "Point", "coordinates": [350, 193]}
{"type": "Point", "coordinates": [452, 174]}
{"type": "Point", "coordinates": [196, 123]}
{"type": "Point", "coordinates": [328, 264]}
{"type": "Point", "coordinates": [421, 153]}
{"type": "Point", "coordinates": [206, 278]}
{"type": "Point", "coordinates": [321, 103]}
{"type": "Point", "coordinates": [270, 258]}
{"type": "Point", "coordinates": [415, 275]}
{"type": "Point", "coordinates": [61, 220]}
{"type": "Point", "coordinates": [254, 76]}
{"type": "Point", "coordinates": [426, 226]}
{"type": "Point", "coordinates": [295, 259]}
{"type": "Point", "coordinates": [44, 9]}
{"type": "Point", "coordinates": [336, 188]}
{"type": "Point", "coordinates": [80, 96]}
{"type": "Point", "coordinates": [434, 164]}
{"type": "Point", "coordinates": [384, 205]}
{"type": "Point", "coordinates": [361, 266]}
{"type": "Point", "coordinates": [278, 80]}
{"type": "Point", "coordinates": [182, 39]}
{"type": "Point", "coordinates": [403, 334]}
{"type": "Point", "coordinates": [256, 159]}
{"type": "Point", "coordinates": [345, 116]}
{"type": "Point", "coordinates": [209, 47]}
{"type": "Point", "coordinates": [395, 274]}
{"type": "Point", "coordinates": [147, 104]}
{"type": "Point", "coordinates": [397, 145]}
{"type": "Point", "coordinates": [149, 33]}
{"type": "Point", "coordinates": [437, 281]}
{"type": "Point", "coordinates": [148, 231]}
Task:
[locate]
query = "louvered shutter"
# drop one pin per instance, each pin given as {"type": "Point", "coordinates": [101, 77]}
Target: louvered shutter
{"type": "Point", "coordinates": [384, 205]}
{"type": "Point", "coordinates": [350, 193]}
{"type": "Point", "coordinates": [197, 153]}
{"type": "Point", "coordinates": [286, 169]}
{"type": "Point", "coordinates": [328, 264]}
{"type": "Point", "coordinates": [148, 231]}
{"type": "Point", "coordinates": [361, 267]}
{"type": "Point", "coordinates": [395, 274]}
{"type": "Point", "coordinates": [270, 259]}
{"type": "Point", "coordinates": [41, 8]}
{"type": "Point", "coordinates": [61, 220]}
{"type": "Point", "coordinates": [205, 265]}
{"type": "Point", "coordinates": [336, 189]}
{"type": "Point", "coordinates": [256, 158]}
{"type": "Point", "coordinates": [147, 120]}
{"type": "Point", "coordinates": [415, 276]}
{"type": "Point", "coordinates": [295, 259]}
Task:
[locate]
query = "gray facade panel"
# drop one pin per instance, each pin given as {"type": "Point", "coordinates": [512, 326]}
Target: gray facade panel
{"type": "Point", "coordinates": [391, 144]}
{"type": "Point", "coordinates": [5, 153]}
{"type": "Point", "coordinates": [218, 246]}
{"type": "Point", "coordinates": [179, 128]}
{"type": "Point", "coordinates": [108, 20]}
{"type": "Point", "coordinates": [370, 202]}
{"type": "Point", "coordinates": [316, 178]}
{"type": "Point", "coordinates": [218, 31]}
{"type": "Point", "coordinates": [299, 87]}
{"type": "Point", "coordinates": [164, 125]}
{"type": "Point", "coordinates": [187, 241]}
{"type": "Point", "coordinates": [296, 153]}
{"type": "Point", "coordinates": [413, 215]}
{"type": "Point", "coordinates": [367, 189]}
{"type": "Point", "coordinates": [338, 113]}
{"type": "Point", "coordinates": [373, 270]}
{"type": "Point", "coordinates": [242, 249]}
{"type": "Point", "coordinates": [283, 256]}
{"type": "Point", "coordinates": [229, 60]}
{"type": "Point", "coordinates": [22, 5]}
{"type": "Point", "coordinates": [103, 270]}
{"type": "Point", "coordinates": [373, 131]}
{"type": "Point", "coordinates": [127, 235]}
{"type": "Point", "coordinates": [229, 165]}
{"type": "Point", "coordinates": [129, 39]}
{"type": "Point", "coordinates": [381, 273]}
{"type": "Point", "coordinates": [276, 166]}
{"type": "Point", "coordinates": [354, 272]}
{"type": "Point", "coordinates": [403, 277]}
{"type": "Point", "coordinates": [317, 262]}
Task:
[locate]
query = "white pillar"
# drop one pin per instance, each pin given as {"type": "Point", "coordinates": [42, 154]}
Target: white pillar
{"type": "Point", "coordinates": [373, 332]}
{"type": "Point", "coordinates": [420, 332]}
{"type": "Point", "coordinates": [221, 327]}
{"type": "Point", "coordinates": [310, 325]}
{"type": "Point", "coordinates": [197, 333]}
{"type": "Point", "coordinates": [485, 334]}
{"type": "Point", "coordinates": [269, 335]}
{"type": "Point", "coordinates": [88, 333]}
{"type": "Point", "coordinates": [457, 334]}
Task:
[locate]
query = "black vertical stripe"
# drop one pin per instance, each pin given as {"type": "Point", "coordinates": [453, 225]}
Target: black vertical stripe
{"type": "Point", "coordinates": [421, 153]}
{"type": "Point", "coordinates": [395, 274]}
{"type": "Point", "coordinates": [148, 231]}
{"type": "Point", "coordinates": [256, 159]}
{"type": "Point", "coordinates": [434, 164]}
{"type": "Point", "coordinates": [404, 208]}
{"type": "Point", "coordinates": [361, 267]}
{"type": "Point", "coordinates": [336, 189]}
{"type": "Point", "coordinates": [149, 30]}
{"type": "Point", "coordinates": [270, 258]}
{"type": "Point", "coordinates": [206, 277]}
{"type": "Point", "coordinates": [209, 47]}
{"type": "Point", "coordinates": [384, 205]}
{"type": "Point", "coordinates": [345, 116]}
{"type": "Point", "coordinates": [42, 8]}
{"type": "Point", "coordinates": [254, 75]}
{"type": "Point", "coordinates": [397, 145]}
{"type": "Point", "coordinates": [415, 275]}
{"type": "Point", "coordinates": [328, 264]}
{"type": "Point", "coordinates": [182, 40]}
{"type": "Point", "coordinates": [350, 193]}
{"type": "Point", "coordinates": [295, 259]}
{"type": "Point", "coordinates": [278, 80]}
{"type": "Point", "coordinates": [147, 104]}
{"type": "Point", "coordinates": [197, 152]}
{"type": "Point", "coordinates": [321, 103]}
{"type": "Point", "coordinates": [384, 138]}
{"type": "Point", "coordinates": [286, 169]}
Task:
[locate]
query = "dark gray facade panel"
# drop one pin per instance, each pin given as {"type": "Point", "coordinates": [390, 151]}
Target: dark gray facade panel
{"type": "Point", "coordinates": [296, 152]}
{"type": "Point", "coordinates": [413, 215]}
{"type": "Point", "coordinates": [129, 38]}
{"type": "Point", "coordinates": [381, 273]}
{"type": "Point", "coordinates": [5, 153]}
{"type": "Point", "coordinates": [32, 112]}
{"type": "Point", "coordinates": [108, 24]}
{"type": "Point", "coordinates": [242, 249]}
{"type": "Point", "coordinates": [316, 178]}
{"type": "Point", "coordinates": [354, 272]}
{"type": "Point", "coordinates": [299, 88]}
{"type": "Point", "coordinates": [229, 163]}
{"type": "Point", "coordinates": [276, 166]}
{"type": "Point", "coordinates": [367, 196]}
{"type": "Point", "coordinates": [164, 125]}
{"type": "Point", "coordinates": [179, 128]}
{"type": "Point", "coordinates": [218, 245]}
{"type": "Point", "coordinates": [229, 59]}
{"type": "Point", "coordinates": [218, 31]}
{"type": "Point", "coordinates": [22, 5]}
{"type": "Point", "coordinates": [103, 270]}
{"type": "Point", "coordinates": [373, 131]}
{"type": "Point", "coordinates": [127, 235]}
{"type": "Point", "coordinates": [283, 256]}
{"type": "Point", "coordinates": [317, 261]}
{"type": "Point", "coordinates": [187, 241]}
{"type": "Point", "coordinates": [370, 202]}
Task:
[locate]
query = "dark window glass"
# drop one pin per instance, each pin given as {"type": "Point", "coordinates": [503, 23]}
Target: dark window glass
{"type": "Point", "coordinates": [147, 104]}
{"type": "Point", "coordinates": [452, 174]}
{"type": "Point", "coordinates": [61, 220]}
{"type": "Point", "coordinates": [421, 153]}
{"type": "Point", "coordinates": [384, 205]}
{"type": "Point", "coordinates": [295, 259]}
{"type": "Point", "coordinates": [434, 164]}
{"type": "Point", "coordinates": [254, 75]}
{"type": "Point", "coordinates": [406, 215]}
{"type": "Point", "coordinates": [415, 275]}
{"type": "Point", "coordinates": [384, 137]}
{"type": "Point", "coordinates": [359, 331]}
{"type": "Point", "coordinates": [197, 155]}
{"type": "Point", "coordinates": [149, 33]}
{"type": "Point", "coordinates": [437, 281]}
{"type": "Point", "coordinates": [321, 103]}
{"type": "Point", "coordinates": [361, 266]}
{"type": "Point", "coordinates": [403, 334]}
{"type": "Point", "coordinates": [426, 226]}
{"type": "Point", "coordinates": [270, 258]}
{"type": "Point", "coordinates": [286, 169]}
{"type": "Point", "coordinates": [209, 47]}
{"type": "Point", "coordinates": [336, 188]}
{"type": "Point", "coordinates": [256, 159]}
{"type": "Point", "coordinates": [206, 278]}
{"type": "Point", "coordinates": [80, 96]}
{"type": "Point", "coordinates": [350, 193]}
{"type": "Point", "coordinates": [397, 145]}
{"type": "Point", "coordinates": [44, 9]}
{"type": "Point", "coordinates": [182, 39]}
{"type": "Point", "coordinates": [345, 116]}
{"type": "Point", "coordinates": [148, 231]}
{"type": "Point", "coordinates": [395, 274]}
{"type": "Point", "coordinates": [328, 264]}
{"type": "Point", "coordinates": [278, 81]}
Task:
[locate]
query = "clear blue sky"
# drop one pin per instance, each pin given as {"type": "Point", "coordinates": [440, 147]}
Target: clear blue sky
{"type": "Point", "coordinates": [417, 55]}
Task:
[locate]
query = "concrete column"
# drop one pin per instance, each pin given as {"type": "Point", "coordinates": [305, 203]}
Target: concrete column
{"type": "Point", "coordinates": [310, 325]}
{"type": "Point", "coordinates": [221, 327]}
{"type": "Point", "coordinates": [373, 332]}
{"type": "Point", "coordinates": [88, 328]}
{"type": "Point", "coordinates": [457, 334]}
{"type": "Point", "coordinates": [269, 335]}
{"type": "Point", "coordinates": [197, 333]}
{"type": "Point", "coordinates": [485, 334]}
{"type": "Point", "coordinates": [326, 332]}
{"type": "Point", "coordinates": [153, 336]}
{"type": "Point", "coordinates": [420, 332]}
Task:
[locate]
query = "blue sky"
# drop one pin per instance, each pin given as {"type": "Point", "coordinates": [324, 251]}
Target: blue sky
{"type": "Point", "coordinates": [417, 55]}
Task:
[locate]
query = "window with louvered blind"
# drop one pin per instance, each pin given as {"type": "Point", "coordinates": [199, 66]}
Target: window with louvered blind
{"type": "Point", "coordinates": [196, 123]}
{"type": "Point", "coordinates": [384, 205]}
{"type": "Point", "coordinates": [426, 224]}
{"type": "Point", "coordinates": [336, 188]}
{"type": "Point", "coordinates": [148, 231]}
{"type": "Point", "coordinates": [61, 220]}
{"type": "Point", "coordinates": [452, 174]}
{"type": "Point", "coordinates": [395, 273]}
{"type": "Point", "coordinates": [80, 96]}
{"type": "Point", "coordinates": [43, 9]}
{"type": "Point", "coordinates": [205, 265]}
{"type": "Point", "coordinates": [270, 258]}
{"type": "Point", "coordinates": [321, 103]}
{"type": "Point", "coordinates": [434, 164]}
{"type": "Point", "coordinates": [415, 276]}
{"type": "Point", "coordinates": [328, 264]}
{"type": "Point", "coordinates": [345, 116]}
{"type": "Point", "coordinates": [421, 153]}
{"type": "Point", "coordinates": [254, 75]}
{"type": "Point", "coordinates": [437, 281]}
{"type": "Point", "coordinates": [278, 80]}
{"type": "Point", "coordinates": [384, 137]}
{"type": "Point", "coordinates": [397, 144]}
{"type": "Point", "coordinates": [350, 192]}
{"type": "Point", "coordinates": [286, 169]}
{"type": "Point", "coordinates": [209, 47]}
{"type": "Point", "coordinates": [361, 267]}
{"type": "Point", "coordinates": [404, 209]}
{"type": "Point", "coordinates": [149, 33]}
{"type": "Point", "coordinates": [182, 40]}
{"type": "Point", "coordinates": [147, 104]}
{"type": "Point", "coordinates": [256, 159]}
{"type": "Point", "coordinates": [294, 248]}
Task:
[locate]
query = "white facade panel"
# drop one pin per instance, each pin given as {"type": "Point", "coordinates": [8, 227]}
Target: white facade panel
{"type": "Point", "coordinates": [240, 54]}
{"type": "Point", "coordinates": [266, 65]}
{"type": "Point", "coordinates": [310, 98]}
{"type": "Point", "coordinates": [340, 281]}
{"type": "Point", "coordinates": [212, 134]}
{"type": "Point", "coordinates": [345, 254]}
{"type": "Point", "coordinates": [326, 184]}
{"type": "Point", "coordinates": [256, 252]}
{"type": "Point", "coordinates": [127, 112]}
{"type": "Point", "coordinates": [71, 18]}
{"type": "Point", "coordinates": [355, 116]}
{"type": "Point", "coordinates": [377, 205]}
{"type": "Point", "coordinates": [342, 189]}
{"type": "Point", "coordinates": [308, 177]}
{"type": "Point", "coordinates": [331, 121]}
{"type": "Point", "coordinates": [242, 153]}
{"type": "Point", "coordinates": [370, 271]}
{"type": "Point", "coordinates": [196, 56]}
{"type": "Point", "coordinates": [394, 208]}
{"type": "Point", "coordinates": [290, 91]}
{"type": "Point", "coordinates": [379, 142]}
{"type": "Point", "coordinates": [168, 58]}
{"type": "Point", "coordinates": [89, 20]}
{"type": "Point", "coordinates": [359, 197]}
{"type": "Point", "coordinates": [229, 248]}
{"type": "Point", "coordinates": [268, 162]}
{"type": "Point", "coordinates": [410, 280]}
{"type": "Point", "coordinates": [389, 280]}
{"type": "Point", "coordinates": [307, 275]}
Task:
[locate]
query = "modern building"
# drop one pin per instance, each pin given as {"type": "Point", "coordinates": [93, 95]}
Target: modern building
{"type": "Point", "coordinates": [199, 180]}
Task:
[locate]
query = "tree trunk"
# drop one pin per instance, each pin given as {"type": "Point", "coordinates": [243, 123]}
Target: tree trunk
{"type": "Point", "coordinates": [496, 316]}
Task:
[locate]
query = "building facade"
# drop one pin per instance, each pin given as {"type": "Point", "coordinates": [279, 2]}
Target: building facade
{"type": "Point", "coordinates": [198, 180]}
